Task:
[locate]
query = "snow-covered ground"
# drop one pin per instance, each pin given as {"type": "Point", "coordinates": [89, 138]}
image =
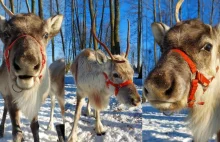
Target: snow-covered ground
{"type": "Point", "coordinates": [122, 124]}
{"type": "Point", "coordinates": [43, 118]}
{"type": "Point", "coordinates": [160, 128]}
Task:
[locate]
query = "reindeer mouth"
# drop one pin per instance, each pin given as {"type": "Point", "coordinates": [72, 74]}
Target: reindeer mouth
{"type": "Point", "coordinates": [24, 82]}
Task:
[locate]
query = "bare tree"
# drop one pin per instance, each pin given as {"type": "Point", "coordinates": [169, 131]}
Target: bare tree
{"type": "Point", "coordinates": [40, 5]}
{"type": "Point", "coordinates": [155, 46]}
{"type": "Point", "coordinates": [12, 5]}
{"type": "Point", "coordinates": [212, 11]}
{"type": "Point", "coordinates": [33, 6]}
{"type": "Point", "coordinates": [61, 32]}
{"type": "Point", "coordinates": [198, 8]}
{"type": "Point", "coordinates": [52, 40]}
{"type": "Point", "coordinates": [91, 8]}
{"type": "Point", "coordinates": [116, 27]}
{"type": "Point", "coordinates": [101, 22]}
{"type": "Point", "coordinates": [27, 6]}
{"type": "Point", "coordinates": [112, 19]}
{"type": "Point", "coordinates": [139, 36]}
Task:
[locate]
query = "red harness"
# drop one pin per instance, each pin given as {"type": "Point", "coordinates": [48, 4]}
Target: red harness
{"type": "Point", "coordinates": [7, 50]}
{"type": "Point", "coordinates": [199, 78]}
{"type": "Point", "coordinates": [117, 86]}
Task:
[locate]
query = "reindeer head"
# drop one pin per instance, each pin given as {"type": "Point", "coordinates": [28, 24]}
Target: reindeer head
{"type": "Point", "coordinates": [168, 85]}
{"type": "Point", "coordinates": [121, 76]}
{"type": "Point", "coordinates": [25, 37]}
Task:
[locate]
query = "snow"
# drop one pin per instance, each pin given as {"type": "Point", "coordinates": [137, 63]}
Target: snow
{"type": "Point", "coordinates": [160, 128]}
{"type": "Point", "coordinates": [122, 124]}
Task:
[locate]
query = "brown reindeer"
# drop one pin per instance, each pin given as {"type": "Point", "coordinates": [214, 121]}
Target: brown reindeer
{"type": "Point", "coordinates": [25, 80]}
{"type": "Point", "coordinates": [57, 70]}
{"type": "Point", "coordinates": [97, 77]}
{"type": "Point", "coordinates": [187, 74]}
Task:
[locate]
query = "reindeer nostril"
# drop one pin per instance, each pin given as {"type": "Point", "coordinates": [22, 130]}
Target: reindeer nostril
{"type": "Point", "coordinates": [16, 66]}
{"type": "Point", "coordinates": [170, 90]}
{"type": "Point", "coordinates": [145, 91]}
{"type": "Point", "coordinates": [37, 67]}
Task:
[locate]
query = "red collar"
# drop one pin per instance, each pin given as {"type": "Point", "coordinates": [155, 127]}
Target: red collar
{"type": "Point", "coordinates": [6, 53]}
{"type": "Point", "coordinates": [199, 78]}
{"type": "Point", "coordinates": [117, 86]}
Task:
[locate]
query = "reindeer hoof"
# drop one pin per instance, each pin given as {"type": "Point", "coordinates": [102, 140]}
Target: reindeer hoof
{"type": "Point", "coordinates": [50, 128]}
{"type": "Point", "coordinates": [18, 137]}
{"type": "Point", "coordinates": [101, 134]}
{"type": "Point", "coordinates": [2, 130]}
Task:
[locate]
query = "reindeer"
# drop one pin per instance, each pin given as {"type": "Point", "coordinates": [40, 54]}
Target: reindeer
{"type": "Point", "coordinates": [57, 70]}
{"type": "Point", "coordinates": [97, 77]}
{"type": "Point", "coordinates": [187, 74]}
{"type": "Point", "coordinates": [25, 80]}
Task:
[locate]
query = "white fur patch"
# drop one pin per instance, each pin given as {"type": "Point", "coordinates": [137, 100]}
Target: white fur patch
{"type": "Point", "coordinates": [204, 120]}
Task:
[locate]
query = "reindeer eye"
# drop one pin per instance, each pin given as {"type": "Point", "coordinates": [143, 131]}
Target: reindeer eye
{"type": "Point", "coordinates": [208, 47]}
{"type": "Point", "coordinates": [115, 75]}
{"type": "Point", "coordinates": [45, 36]}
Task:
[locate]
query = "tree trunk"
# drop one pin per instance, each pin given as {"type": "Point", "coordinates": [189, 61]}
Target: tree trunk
{"type": "Point", "coordinates": [61, 31]}
{"type": "Point", "coordinates": [199, 9]}
{"type": "Point", "coordinates": [101, 23]}
{"type": "Point", "coordinates": [28, 7]}
{"type": "Point", "coordinates": [116, 27]}
{"type": "Point", "coordinates": [139, 35]}
{"type": "Point", "coordinates": [84, 25]}
{"type": "Point", "coordinates": [40, 5]}
{"type": "Point", "coordinates": [171, 12]}
{"type": "Point", "coordinates": [52, 41]}
{"type": "Point", "coordinates": [94, 26]}
{"type": "Point", "coordinates": [12, 6]}
{"type": "Point", "coordinates": [160, 17]}
{"type": "Point", "coordinates": [212, 10]}
{"type": "Point", "coordinates": [155, 46]}
{"type": "Point", "coordinates": [112, 19]}
{"type": "Point", "coordinates": [33, 6]}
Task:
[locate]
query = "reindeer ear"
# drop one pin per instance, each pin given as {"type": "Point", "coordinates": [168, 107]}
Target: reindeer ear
{"type": "Point", "coordinates": [2, 23]}
{"type": "Point", "coordinates": [159, 31]}
{"type": "Point", "coordinates": [100, 57]}
{"type": "Point", "coordinates": [54, 24]}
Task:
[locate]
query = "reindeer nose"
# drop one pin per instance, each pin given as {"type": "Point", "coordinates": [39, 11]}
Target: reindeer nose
{"type": "Point", "coordinates": [159, 85]}
{"type": "Point", "coordinates": [136, 101]}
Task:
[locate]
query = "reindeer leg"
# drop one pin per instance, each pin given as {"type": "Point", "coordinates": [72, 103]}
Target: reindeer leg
{"type": "Point", "coordinates": [2, 126]}
{"type": "Point", "coordinates": [15, 121]}
{"type": "Point", "coordinates": [88, 109]}
{"type": "Point", "coordinates": [62, 107]}
{"type": "Point", "coordinates": [35, 129]}
{"type": "Point", "coordinates": [218, 136]}
{"type": "Point", "coordinates": [99, 127]}
{"type": "Point", "coordinates": [51, 125]}
{"type": "Point", "coordinates": [73, 134]}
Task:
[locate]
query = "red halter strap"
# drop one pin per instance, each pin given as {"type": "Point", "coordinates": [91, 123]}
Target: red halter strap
{"type": "Point", "coordinates": [7, 50]}
{"type": "Point", "coordinates": [199, 78]}
{"type": "Point", "coordinates": [117, 86]}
